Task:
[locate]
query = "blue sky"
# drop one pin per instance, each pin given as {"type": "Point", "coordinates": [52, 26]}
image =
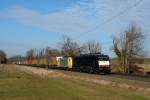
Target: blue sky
{"type": "Point", "coordinates": [26, 24]}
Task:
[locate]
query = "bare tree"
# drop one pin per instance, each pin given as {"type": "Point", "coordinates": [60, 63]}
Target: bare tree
{"type": "Point", "coordinates": [69, 47]}
{"type": "Point", "coordinates": [91, 47]}
{"type": "Point", "coordinates": [128, 46]}
{"type": "Point", "coordinates": [30, 54]}
{"type": "Point", "coordinates": [2, 57]}
{"type": "Point", "coordinates": [47, 52]}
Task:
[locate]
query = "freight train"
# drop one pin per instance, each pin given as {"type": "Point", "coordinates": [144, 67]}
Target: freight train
{"type": "Point", "coordinates": [90, 63]}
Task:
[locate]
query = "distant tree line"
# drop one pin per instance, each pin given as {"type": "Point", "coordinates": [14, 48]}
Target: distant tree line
{"type": "Point", "coordinates": [66, 47]}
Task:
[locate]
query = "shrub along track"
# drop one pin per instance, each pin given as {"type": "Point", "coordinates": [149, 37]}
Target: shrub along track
{"type": "Point", "coordinates": [111, 80]}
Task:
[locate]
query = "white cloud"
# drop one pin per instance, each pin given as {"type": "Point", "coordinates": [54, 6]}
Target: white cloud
{"type": "Point", "coordinates": [83, 17]}
{"type": "Point", "coordinates": [68, 20]}
{"type": "Point", "coordinates": [107, 9]}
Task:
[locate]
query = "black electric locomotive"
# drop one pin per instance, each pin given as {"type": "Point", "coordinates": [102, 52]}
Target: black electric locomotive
{"type": "Point", "coordinates": [92, 63]}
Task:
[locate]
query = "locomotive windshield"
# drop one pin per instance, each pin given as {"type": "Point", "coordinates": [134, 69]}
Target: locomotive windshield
{"type": "Point", "coordinates": [103, 58]}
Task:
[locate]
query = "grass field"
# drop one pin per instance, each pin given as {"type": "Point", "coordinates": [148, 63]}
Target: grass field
{"type": "Point", "coordinates": [17, 85]}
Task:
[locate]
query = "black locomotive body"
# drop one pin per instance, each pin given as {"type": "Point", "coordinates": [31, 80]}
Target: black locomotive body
{"type": "Point", "coordinates": [92, 63]}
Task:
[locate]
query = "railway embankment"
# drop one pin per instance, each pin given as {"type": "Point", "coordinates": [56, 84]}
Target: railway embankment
{"type": "Point", "coordinates": [107, 80]}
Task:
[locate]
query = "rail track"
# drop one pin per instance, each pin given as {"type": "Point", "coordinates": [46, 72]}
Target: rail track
{"type": "Point", "coordinates": [142, 78]}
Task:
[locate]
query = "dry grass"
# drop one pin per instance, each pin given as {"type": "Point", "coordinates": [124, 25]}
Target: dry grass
{"type": "Point", "coordinates": [96, 79]}
{"type": "Point", "coordinates": [145, 66]}
{"type": "Point", "coordinates": [22, 85]}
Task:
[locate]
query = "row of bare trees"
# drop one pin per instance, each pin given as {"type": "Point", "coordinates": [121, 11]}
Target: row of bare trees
{"type": "Point", "coordinates": [36, 54]}
{"type": "Point", "coordinates": [39, 53]}
{"type": "Point", "coordinates": [69, 47]}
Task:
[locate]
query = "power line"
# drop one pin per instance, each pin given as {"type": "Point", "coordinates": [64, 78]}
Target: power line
{"type": "Point", "coordinates": [110, 19]}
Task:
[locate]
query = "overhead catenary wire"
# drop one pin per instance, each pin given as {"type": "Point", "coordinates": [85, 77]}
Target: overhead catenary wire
{"type": "Point", "coordinates": [110, 19]}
